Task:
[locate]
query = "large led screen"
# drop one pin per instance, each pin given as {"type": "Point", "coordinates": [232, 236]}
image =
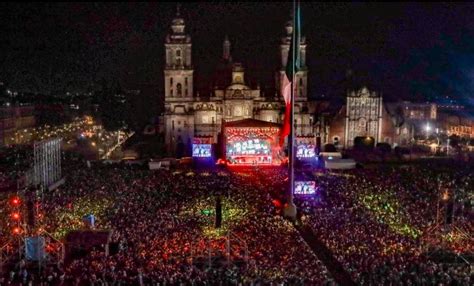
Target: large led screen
{"type": "Point", "coordinates": [305, 151]}
{"type": "Point", "coordinates": [248, 147]}
{"type": "Point", "coordinates": [305, 188]}
{"type": "Point", "coordinates": [201, 150]}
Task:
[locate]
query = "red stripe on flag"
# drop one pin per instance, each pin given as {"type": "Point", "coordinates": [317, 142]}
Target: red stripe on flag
{"type": "Point", "coordinates": [286, 91]}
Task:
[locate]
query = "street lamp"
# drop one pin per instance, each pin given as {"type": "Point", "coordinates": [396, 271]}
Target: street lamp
{"type": "Point", "coordinates": [447, 148]}
{"type": "Point", "coordinates": [437, 139]}
{"type": "Point", "coordinates": [428, 129]}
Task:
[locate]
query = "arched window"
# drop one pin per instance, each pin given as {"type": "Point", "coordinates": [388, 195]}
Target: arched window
{"type": "Point", "coordinates": [179, 90]}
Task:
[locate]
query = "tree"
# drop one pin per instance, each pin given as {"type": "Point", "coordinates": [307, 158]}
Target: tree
{"type": "Point", "coordinates": [364, 143]}
{"type": "Point", "coordinates": [399, 117]}
{"type": "Point", "coordinates": [454, 141]}
{"type": "Point", "coordinates": [330, 148]}
{"type": "Point", "coordinates": [384, 148]}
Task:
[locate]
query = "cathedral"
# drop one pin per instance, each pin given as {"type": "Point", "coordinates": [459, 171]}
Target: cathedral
{"type": "Point", "coordinates": [190, 117]}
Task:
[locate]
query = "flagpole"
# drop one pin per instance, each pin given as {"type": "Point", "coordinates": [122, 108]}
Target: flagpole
{"type": "Point", "coordinates": [291, 207]}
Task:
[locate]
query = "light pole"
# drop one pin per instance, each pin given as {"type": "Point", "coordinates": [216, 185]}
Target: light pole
{"type": "Point", "coordinates": [437, 135]}
{"type": "Point", "coordinates": [428, 129]}
{"type": "Point", "coordinates": [447, 148]}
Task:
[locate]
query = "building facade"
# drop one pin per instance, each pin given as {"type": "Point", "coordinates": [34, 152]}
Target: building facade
{"type": "Point", "coordinates": [366, 117]}
{"type": "Point", "coordinates": [13, 121]}
{"type": "Point", "coordinates": [363, 116]}
{"type": "Point", "coordinates": [189, 116]}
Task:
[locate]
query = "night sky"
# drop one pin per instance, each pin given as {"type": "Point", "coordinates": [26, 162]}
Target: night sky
{"type": "Point", "coordinates": [412, 51]}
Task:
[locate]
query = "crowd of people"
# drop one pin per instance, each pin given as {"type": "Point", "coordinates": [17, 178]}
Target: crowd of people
{"type": "Point", "coordinates": [376, 220]}
{"type": "Point", "coordinates": [162, 236]}
{"type": "Point", "coordinates": [373, 221]}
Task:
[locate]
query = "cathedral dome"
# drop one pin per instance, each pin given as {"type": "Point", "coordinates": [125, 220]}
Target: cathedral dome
{"type": "Point", "coordinates": [177, 25]}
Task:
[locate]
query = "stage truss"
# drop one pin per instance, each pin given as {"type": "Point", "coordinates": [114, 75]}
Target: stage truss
{"type": "Point", "coordinates": [447, 237]}
{"type": "Point", "coordinates": [46, 169]}
{"type": "Point", "coordinates": [14, 250]}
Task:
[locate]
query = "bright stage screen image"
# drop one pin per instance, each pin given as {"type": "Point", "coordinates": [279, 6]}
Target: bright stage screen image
{"type": "Point", "coordinates": [305, 151]}
{"type": "Point", "coordinates": [248, 147]}
{"type": "Point", "coordinates": [201, 150]}
{"type": "Point", "coordinates": [305, 188]}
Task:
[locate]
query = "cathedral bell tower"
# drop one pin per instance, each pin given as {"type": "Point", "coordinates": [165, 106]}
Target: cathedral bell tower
{"type": "Point", "coordinates": [178, 87]}
{"type": "Point", "coordinates": [178, 70]}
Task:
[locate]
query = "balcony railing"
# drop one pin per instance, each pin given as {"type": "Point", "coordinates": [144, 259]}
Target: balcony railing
{"type": "Point", "coordinates": [205, 128]}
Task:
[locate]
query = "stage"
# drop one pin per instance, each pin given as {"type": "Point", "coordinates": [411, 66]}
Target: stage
{"type": "Point", "coordinates": [252, 142]}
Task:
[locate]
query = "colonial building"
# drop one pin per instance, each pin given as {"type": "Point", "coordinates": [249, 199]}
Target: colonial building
{"type": "Point", "coordinates": [363, 116]}
{"type": "Point", "coordinates": [189, 116]}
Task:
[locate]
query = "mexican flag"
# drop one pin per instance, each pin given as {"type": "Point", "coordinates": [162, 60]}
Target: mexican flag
{"type": "Point", "coordinates": [292, 67]}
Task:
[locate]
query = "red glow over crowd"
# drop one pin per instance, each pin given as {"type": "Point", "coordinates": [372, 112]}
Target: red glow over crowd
{"type": "Point", "coordinates": [371, 220]}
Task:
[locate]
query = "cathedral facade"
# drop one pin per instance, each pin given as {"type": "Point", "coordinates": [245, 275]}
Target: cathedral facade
{"type": "Point", "coordinates": [189, 117]}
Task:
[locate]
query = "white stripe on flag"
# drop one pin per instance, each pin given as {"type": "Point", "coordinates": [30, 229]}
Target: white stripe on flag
{"type": "Point", "coordinates": [286, 89]}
